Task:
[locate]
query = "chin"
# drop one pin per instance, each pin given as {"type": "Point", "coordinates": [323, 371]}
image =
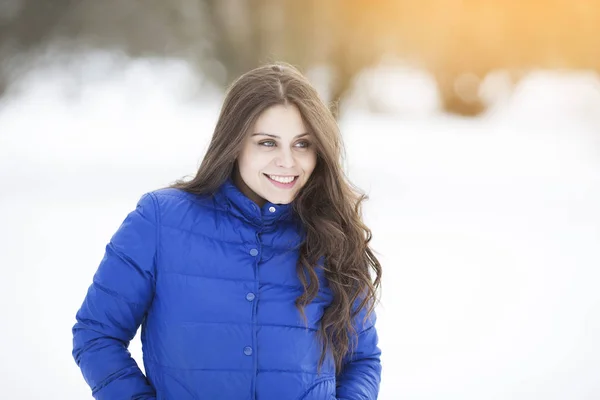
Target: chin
{"type": "Point", "coordinates": [277, 198]}
{"type": "Point", "coordinates": [280, 201]}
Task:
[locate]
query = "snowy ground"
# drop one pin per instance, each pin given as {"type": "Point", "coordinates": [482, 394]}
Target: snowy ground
{"type": "Point", "coordinates": [488, 229]}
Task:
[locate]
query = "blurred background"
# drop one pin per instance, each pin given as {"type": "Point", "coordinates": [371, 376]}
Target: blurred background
{"type": "Point", "coordinates": [473, 125]}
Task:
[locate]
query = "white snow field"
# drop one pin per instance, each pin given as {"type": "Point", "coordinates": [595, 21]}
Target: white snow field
{"type": "Point", "coordinates": [488, 229]}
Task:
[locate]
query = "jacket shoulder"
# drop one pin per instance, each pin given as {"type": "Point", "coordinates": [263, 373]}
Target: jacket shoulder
{"type": "Point", "coordinates": [171, 194]}
{"type": "Point", "coordinates": [176, 203]}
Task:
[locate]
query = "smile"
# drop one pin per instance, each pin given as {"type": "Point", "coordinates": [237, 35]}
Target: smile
{"type": "Point", "coordinates": [280, 181]}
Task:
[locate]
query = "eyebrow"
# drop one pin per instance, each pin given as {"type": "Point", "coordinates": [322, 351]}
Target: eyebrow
{"type": "Point", "coordinates": [277, 137]}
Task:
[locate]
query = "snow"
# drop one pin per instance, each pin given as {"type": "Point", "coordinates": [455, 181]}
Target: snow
{"type": "Point", "coordinates": [488, 228]}
{"type": "Point", "coordinates": [394, 86]}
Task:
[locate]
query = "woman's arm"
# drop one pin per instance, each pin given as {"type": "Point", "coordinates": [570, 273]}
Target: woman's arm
{"type": "Point", "coordinates": [114, 307]}
{"type": "Point", "coordinates": [361, 374]}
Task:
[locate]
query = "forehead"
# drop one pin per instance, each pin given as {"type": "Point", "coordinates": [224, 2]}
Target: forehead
{"type": "Point", "coordinates": [280, 120]}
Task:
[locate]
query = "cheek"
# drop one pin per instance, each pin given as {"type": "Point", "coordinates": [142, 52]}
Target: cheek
{"type": "Point", "coordinates": [242, 162]}
{"type": "Point", "coordinates": [309, 163]}
{"type": "Point", "coordinates": [250, 165]}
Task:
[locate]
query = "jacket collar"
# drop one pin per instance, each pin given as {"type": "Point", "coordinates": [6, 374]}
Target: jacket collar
{"type": "Point", "coordinates": [239, 204]}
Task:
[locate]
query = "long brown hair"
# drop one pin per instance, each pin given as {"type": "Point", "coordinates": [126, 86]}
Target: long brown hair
{"type": "Point", "coordinates": [329, 206]}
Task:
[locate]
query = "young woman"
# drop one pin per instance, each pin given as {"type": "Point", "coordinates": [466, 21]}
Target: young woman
{"type": "Point", "coordinates": [250, 281]}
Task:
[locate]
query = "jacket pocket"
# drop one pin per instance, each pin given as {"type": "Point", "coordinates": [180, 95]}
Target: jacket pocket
{"type": "Point", "coordinates": [324, 389]}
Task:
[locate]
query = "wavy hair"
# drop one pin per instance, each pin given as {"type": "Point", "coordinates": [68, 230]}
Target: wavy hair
{"type": "Point", "coordinates": [328, 205]}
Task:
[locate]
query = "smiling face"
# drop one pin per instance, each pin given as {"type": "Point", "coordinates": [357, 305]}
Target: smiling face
{"type": "Point", "coordinates": [277, 157]}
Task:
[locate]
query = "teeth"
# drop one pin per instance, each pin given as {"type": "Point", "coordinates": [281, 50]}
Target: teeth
{"type": "Point", "coordinates": [282, 179]}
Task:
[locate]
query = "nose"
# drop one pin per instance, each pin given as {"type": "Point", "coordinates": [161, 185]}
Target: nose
{"type": "Point", "coordinates": [285, 159]}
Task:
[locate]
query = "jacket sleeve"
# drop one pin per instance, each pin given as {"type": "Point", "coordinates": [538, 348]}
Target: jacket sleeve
{"type": "Point", "coordinates": [361, 373]}
{"type": "Point", "coordinates": [114, 307]}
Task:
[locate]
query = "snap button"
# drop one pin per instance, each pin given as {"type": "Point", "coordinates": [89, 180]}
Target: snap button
{"type": "Point", "coordinates": [253, 252]}
{"type": "Point", "coordinates": [272, 209]}
{"type": "Point", "coordinates": [248, 350]}
{"type": "Point", "coordinates": [250, 296]}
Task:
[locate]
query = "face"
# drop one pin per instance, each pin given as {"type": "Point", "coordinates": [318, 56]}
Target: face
{"type": "Point", "coordinates": [277, 158]}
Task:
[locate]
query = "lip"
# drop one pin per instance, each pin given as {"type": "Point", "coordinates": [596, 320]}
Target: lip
{"type": "Point", "coordinates": [284, 176]}
{"type": "Point", "coordinates": [283, 185]}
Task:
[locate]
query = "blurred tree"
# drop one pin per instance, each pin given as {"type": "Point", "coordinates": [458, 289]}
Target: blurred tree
{"type": "Point", "coordinates": [33, 22]}
{"type": "Point", "coordinates": [459, 42]}
{"type": "Point", "coordinates": [237, 33]}
{"type": "Point", "coordinates": [247, 34]}
{"type": "Point", "coordinates": [24, 25]}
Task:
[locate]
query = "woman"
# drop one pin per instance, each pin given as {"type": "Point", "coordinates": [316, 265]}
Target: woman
{"type": "Point", "coordinates": [250, 281]}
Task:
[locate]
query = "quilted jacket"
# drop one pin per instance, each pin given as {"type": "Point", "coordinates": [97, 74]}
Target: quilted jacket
{"type": "Point", "coordinates": [212, 281]}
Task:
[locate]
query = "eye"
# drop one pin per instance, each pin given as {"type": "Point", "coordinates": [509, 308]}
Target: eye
{"type": "Point", "coordinates": [267, 143]}
{"type": "Point", "coordinates": [303, 144]}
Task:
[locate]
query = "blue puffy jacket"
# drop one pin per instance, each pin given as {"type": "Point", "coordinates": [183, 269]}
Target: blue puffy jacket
{"type": "Point", "coordinates": [212, 281]}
